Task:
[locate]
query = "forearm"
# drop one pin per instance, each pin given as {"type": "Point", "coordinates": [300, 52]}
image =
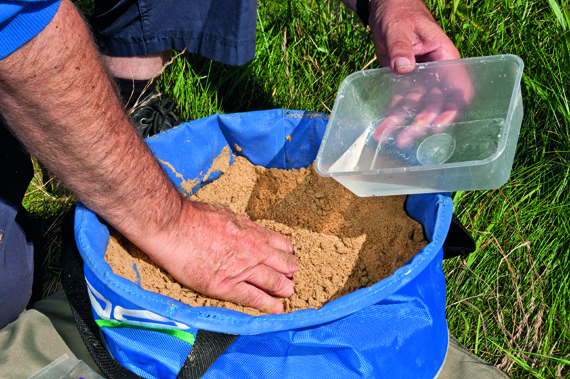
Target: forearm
{"type": "Point", "coordinates": [58, 100]}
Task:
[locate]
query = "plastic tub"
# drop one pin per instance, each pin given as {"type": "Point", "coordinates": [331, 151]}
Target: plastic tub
{"type": "Point", "coordinates": [472, 151]}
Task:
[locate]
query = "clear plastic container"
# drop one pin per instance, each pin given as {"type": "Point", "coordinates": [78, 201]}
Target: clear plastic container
{"type": "Point", "coordinates": [383, 139]}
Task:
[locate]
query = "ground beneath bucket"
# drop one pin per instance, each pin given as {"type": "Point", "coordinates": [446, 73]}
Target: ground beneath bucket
{"type": "Point", "coordinates": [342, 242]}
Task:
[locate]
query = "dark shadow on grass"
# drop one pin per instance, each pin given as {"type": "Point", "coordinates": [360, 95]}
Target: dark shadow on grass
{"type": "Point", "coordinates": [44, 224]}
{"type": "Point", "coordinates": [236, 87]}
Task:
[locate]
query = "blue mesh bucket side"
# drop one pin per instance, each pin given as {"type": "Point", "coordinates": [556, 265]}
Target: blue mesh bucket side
{"type": "Point", "coordinates": [403, 336]}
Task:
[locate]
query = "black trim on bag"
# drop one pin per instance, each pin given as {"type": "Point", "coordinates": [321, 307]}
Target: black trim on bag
{"type": "Point", "coordinates": [458, 240]}
{"type": "Point", "coordinates": [363, 10]}
{"type": "Point", "coordinates": [207, 348]}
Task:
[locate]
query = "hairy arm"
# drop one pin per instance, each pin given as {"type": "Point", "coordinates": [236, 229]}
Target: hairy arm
{"type": "Point", "coordinates": [58, 100]}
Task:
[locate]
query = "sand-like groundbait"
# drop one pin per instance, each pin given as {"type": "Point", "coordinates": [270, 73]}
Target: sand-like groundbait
{"type": "Point", "coordinates": [342, 242]}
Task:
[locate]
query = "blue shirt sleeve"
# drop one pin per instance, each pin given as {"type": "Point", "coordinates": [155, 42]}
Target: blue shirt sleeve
{"type": "Point", "coordinates": [20, 21]}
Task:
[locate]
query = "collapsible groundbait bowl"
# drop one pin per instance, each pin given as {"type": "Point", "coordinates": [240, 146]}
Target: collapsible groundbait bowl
{"type": "Point", "coordinates": [393, 329]}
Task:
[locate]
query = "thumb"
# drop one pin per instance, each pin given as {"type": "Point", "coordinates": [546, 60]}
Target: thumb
{"type": "Point", "coordinates": [398, 42]}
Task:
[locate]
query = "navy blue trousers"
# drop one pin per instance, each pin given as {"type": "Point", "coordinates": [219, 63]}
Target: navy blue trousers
{"type": "Point", "coordinates": [221, 30]}
{"type": "Point", "coordinates": [16, 251]}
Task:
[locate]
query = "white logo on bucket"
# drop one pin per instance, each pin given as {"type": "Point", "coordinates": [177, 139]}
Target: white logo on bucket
{"type": "Point", "coordinates": [154, 320]}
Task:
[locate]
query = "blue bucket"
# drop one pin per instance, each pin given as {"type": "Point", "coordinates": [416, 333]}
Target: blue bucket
{"type": "Point", "coordinates": [393, 329]}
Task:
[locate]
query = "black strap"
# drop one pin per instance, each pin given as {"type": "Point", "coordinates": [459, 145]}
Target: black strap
{"type": "Point", "coordinates": [458, 240]}
{"type": "Point", "coordinates": [363, 10]}
{"type": "Point", "coordinates": [207, 347]}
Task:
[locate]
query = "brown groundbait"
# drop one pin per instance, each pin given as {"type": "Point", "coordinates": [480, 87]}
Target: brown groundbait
{"type": "Point", "coordinates": [342, 242]}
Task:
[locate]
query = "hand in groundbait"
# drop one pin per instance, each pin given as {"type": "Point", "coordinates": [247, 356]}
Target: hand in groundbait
{"type": "Point", "coordinates": [404, 33]}
{"type": "Point", "coordinates": [228, 256]}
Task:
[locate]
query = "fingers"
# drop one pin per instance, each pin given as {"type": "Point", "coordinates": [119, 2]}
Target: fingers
{"type": "Point", "coordinates": [276, 239]}
{"type": "Point", "coordinates": [410, 102]}
{"type": "Point", "coordinates": [254, 286]}
{"type": "Point", "coordinates": [397, 42]}
{"type": "Point", "coordinates": [434, 105]}
{"type": "Point", "coordinates": [403, 30]}
{"type": "Point", "coordinates": [267, 246]}
{"type": "Point", "coordinates": [396, 120]}
{"type": "Point", "coordinates": [280, 261]}
{"type": "Point", "coordinates": [395, 100]}
{"type": "Point", "coordinates": [402, 59]}
{"type": "Point", "coordinates": [262, 282]}
{"type": "Point", "coordinates": [411, 134]}
{"type": "Point", "coordinates": [419, 127]}
{"type": "Point", "coordinates": [459, 93]}
{"type": "Point", "coordinates": [458, 85]}
{"type": "Point", "coordinates": [229, 257]}
{"type": "Point", "coordinates": [451, 114]}
{"type": "Point", "coordinates": [405, 33]}
{"type": "Point", "coordinates": [251, 296]}
{"type": "Point", "coordinates": [438, 114]}
{"type": "Point", "coordinates": [271, 281]}
{"type": "Point", "coordinates": [400, 110]}
{"type": "Point", "coordinates": [279, 241]}
{"type": "Point", "coordinates": [437, 46]}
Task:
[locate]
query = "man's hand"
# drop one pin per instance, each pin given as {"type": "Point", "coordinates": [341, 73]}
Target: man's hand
{"type": "Point", "coordinates": [405, 32]}
{"type": "Point", "coordinates": [228, 256]}
{"type": "Point", "coordinates": [57, 99]}
{"type": "Point", "coordinates": [427, 107]}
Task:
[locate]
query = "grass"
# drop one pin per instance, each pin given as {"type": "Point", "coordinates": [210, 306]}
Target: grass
{"type": "Point", "coordinates": [509, 301]}
{"type": "Point", "coordinates": [47, 204]}
{"type": "Point", "coordinates": [295, 66]}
